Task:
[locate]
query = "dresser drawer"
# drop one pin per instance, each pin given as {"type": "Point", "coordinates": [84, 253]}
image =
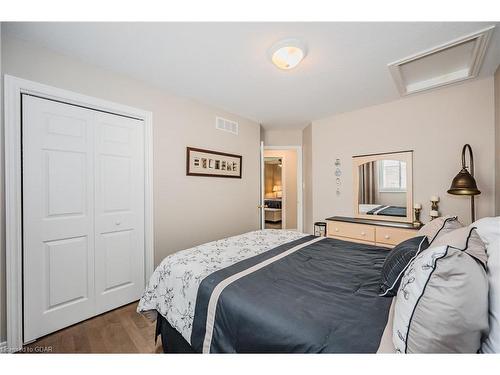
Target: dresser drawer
{"type": "Point", "coordinates": [349, 230]}
{"type": "Point", "coordinates": [392, 236]}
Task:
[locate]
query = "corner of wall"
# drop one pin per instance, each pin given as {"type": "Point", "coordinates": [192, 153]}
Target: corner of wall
{"type": "Point", "coordinates": [307, 178]}
{"type": "Point", "coordinates": [497, 141]}
{"type": "Point", "coordinates": [3, 333]}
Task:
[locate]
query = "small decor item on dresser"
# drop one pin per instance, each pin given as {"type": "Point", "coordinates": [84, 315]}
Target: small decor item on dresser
{"type": "Point", "coordinates": [209, 163]}
{"type": "Point", "coordinates": [320, 228]}
{"type": "Point", "coordinates": [434, 213]}
{"type": "Point", "coordinates": [417, 208]}
{"type": "Point", "coordinates": [434, 203]}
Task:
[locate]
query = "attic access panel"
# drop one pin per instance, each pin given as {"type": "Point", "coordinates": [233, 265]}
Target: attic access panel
{"type": "Point", "coordinates": [448, 63]}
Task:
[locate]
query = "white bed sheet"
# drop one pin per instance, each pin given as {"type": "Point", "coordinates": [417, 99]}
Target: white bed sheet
{"type": "Point", "coordinates": [173, 287]}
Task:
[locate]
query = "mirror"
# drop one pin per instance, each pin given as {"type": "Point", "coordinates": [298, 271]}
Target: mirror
{"type": "Point", "coordinates": [383, 186]}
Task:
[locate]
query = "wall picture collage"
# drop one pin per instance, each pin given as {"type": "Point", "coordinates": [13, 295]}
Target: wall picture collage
{"type": "Point", "coordinates": [200, 162]}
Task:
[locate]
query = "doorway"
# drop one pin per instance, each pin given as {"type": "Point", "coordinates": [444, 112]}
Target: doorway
{"type": "Point", "coordinates": [281, 188]}
{"type": "Point", "coordinates": [274, 208]}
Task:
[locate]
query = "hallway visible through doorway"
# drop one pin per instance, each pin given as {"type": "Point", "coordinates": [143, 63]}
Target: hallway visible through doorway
{"type": "Point", "coordinates": [281, 188]}
{"type": "Point", "coordinates": [273, 193]}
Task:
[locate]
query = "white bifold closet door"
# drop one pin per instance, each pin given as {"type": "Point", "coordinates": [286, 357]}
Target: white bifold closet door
{"type": "Point", "coordinates": [83, 213]}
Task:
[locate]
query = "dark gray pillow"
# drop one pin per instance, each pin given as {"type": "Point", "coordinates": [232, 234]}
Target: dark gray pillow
{"type": "Point", "coordinates": [396, 262]}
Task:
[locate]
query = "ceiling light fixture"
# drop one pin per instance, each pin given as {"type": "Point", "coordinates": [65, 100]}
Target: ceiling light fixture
{"type": "Point", "coordinates": [288, 53]}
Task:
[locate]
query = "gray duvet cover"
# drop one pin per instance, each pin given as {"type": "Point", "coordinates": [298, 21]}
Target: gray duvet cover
{"type": "Point", "coordinates": [311, 295]}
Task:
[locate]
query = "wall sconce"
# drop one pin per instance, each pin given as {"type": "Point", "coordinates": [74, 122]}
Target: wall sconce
{"type": "Point", "coordinates": [464, 182]}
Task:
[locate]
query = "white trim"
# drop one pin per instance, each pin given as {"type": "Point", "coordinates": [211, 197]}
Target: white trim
{"type": "Point", "coordinates": [13, 88]}
{"type": "Point", "coordinates": [262, 188]}
{"type": "Point", "coordinates": [300, 185]}
{"type": "Point", "coordinates": [283, 193]}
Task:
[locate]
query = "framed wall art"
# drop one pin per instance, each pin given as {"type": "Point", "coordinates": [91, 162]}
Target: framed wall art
{"type": "Point", "coordinates": [207, 163]}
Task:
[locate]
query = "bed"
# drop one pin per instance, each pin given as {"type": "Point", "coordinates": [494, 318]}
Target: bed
{"type": "Point", "coordinates": [269, 291]}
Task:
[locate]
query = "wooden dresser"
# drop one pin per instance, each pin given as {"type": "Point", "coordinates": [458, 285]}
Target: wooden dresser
{"type": "Point", "coordinates": [374, 232]}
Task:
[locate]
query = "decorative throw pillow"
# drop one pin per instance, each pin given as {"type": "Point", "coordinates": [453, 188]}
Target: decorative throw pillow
{"type": "Point", "coordinates": [438, 227]}
{"type": "Point", "coordinates": [466, 239]}
{"type": "Point", "coordinates": [442, 304]}
{"type": "Point", "coordinates": [489, 231]}
{"type": "Point", "coordinates": [396, 262]}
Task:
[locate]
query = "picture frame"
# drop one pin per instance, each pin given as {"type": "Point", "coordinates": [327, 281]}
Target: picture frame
{"type": "Point", "coordinates": [208, 163]}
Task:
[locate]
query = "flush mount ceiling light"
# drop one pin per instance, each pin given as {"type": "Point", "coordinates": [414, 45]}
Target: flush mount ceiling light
{"type": "Point", "coordinates": [287, 53]}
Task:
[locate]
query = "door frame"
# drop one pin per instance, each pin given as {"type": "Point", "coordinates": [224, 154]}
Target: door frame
{"type": "Point", "coordinates": [300, 185]}
{"type": "Point", "coordinates": [14, 87]}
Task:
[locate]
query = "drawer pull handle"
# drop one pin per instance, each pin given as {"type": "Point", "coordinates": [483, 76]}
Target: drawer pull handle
{"type": "Point", "coordinates": [363, 233]}
{"type": "Point", "coordinates": [387, 236]}
{"type": "Point", "coordinates": [336, 229]}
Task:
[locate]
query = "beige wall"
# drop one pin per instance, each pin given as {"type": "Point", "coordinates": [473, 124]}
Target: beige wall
{"type": "Point", "coordinates": [290, 183]}
{"type": "Point", "coordinates": [282, 137]}
{"type": "Point", "coordinates": [391, 199]}
{"type": "Point", "coordinates": [307, 168]}
{"type": "Point", "coordinates": [497, 141]}
{"type": "Point", "coordinates": [187, 210]}
{"type": "Point", "coordinates": [435, 125]}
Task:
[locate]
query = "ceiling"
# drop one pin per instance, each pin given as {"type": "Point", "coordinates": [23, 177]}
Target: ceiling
{"type": "Point", "coordinates": [226, 64]}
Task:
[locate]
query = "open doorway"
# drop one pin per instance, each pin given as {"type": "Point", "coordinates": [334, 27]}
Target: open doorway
{"type": "Point", "coordinates": [273, 193]}
{"type": "Point", "coordinates": [281, 187]}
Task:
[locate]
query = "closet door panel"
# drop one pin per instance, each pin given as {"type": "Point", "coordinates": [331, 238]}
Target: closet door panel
{"type": "Point", "coordinates": [119, 210]}
{"type": "Point", "coordinates": [58, 215]}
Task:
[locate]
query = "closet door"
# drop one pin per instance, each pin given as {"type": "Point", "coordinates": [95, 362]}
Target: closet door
{"type": "Point", "coordinates": [119, 210]}
{"type": "Point", "coordinates": [83, 214]}
{"type": "Point", "coordinates": [58, 215]}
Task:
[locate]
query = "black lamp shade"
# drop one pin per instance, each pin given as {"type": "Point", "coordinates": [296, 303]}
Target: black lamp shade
{"type": "Point", "coordinates": [464, 184]}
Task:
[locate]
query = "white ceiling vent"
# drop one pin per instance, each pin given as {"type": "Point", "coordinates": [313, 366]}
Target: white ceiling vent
{"type": "Point", "coordinates": [226, 125]}
{"type": "Point", "coordinates": [448, 63]}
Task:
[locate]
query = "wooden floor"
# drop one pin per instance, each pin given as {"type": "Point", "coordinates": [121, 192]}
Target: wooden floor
{"type": "Point", "coordinates": [119, 331]}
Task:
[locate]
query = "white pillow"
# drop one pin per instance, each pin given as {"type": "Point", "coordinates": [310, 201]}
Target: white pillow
{"type": "Point", "coordinates": [488, 229]}
{"type": "Point", "coordinates": [439, 227]}
{"type": "Point", "coordinates": [442, 303]}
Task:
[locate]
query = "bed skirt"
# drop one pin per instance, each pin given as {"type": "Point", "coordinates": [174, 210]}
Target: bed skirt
{"type": "Point", "coordinates": [171, 340]}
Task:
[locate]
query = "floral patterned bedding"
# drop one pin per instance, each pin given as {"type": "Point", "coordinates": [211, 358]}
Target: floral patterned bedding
{"type": "Point", "coordinates": [173, 287]}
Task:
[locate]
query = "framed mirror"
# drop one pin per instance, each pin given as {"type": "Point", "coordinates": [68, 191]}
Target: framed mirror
{"type": "Point", "coordinates": [383, 187]}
